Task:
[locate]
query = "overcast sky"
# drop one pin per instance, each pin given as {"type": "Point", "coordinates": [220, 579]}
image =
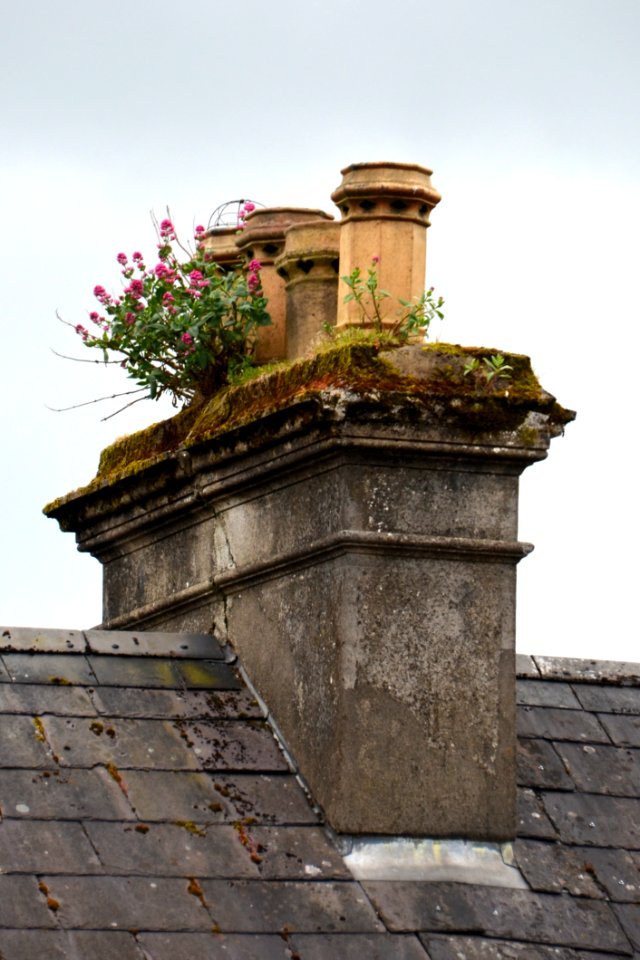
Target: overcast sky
{"type": "Point", "coordinates": [528, 113]}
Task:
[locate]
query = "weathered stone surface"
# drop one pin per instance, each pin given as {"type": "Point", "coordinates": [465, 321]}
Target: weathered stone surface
{"type": "Point", "coordinates": [66, 795]}
{"type": "Point", "coordinates": [33, 846]}
{"type": "Point", "coordinates": [500, 913]}
{"type": "Point", "coordinates": [553, 868]}
{"type": "Point", "coordinates": [255, 906]}
{"type": "Point", "coordinates": [540, 766]}
{"type": "Point", "coordinates": [609, 699]}
{"type": "Point", "coordinates": [101, 903]}
{"type": "Point", "coordinates": [560, 724]}
{"type": "Point", "coordinates": [595, 768]}
{"type": "Point", "coordinates": [545, 693]}
{"type": "Point", "coordinates": [38, 699]}
{"type": "Point", "coordinates": [623, 730]}
{"type": "Point", "coordinates": [590, 671]}
{"type": "Point", "coordinates": [4, 675]}
{"type": "Point", "coordinates": [595, 820]}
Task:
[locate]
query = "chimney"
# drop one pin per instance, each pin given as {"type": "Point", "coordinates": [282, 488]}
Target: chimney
{"type": "Point", "coordinates": [349, 525]}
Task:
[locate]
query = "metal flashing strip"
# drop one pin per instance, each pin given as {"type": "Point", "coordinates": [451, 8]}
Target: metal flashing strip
{"type": "Point", "coordinates": [454, 861]}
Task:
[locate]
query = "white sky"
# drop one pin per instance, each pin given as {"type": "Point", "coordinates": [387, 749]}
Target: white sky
{"type": "Point", "coordinates": [528, 113]}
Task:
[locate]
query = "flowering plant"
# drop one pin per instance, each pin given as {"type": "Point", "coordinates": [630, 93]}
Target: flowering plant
{"type": "Point", "coordinates": [179, 328]}
{"type": "Point", "coordinates": [414, 320]}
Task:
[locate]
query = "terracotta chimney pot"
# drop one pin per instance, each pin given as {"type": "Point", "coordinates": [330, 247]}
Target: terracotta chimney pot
{"type": "Point", "coordinates": [263, 239]}
{"type": "Point", "coordinates": [309, 265]}
{"type": "Point", "coordinates": [385, 211]}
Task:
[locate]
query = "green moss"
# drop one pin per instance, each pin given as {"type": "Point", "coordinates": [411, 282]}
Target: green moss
{"type": "Point", "coordinates": [362, 363]}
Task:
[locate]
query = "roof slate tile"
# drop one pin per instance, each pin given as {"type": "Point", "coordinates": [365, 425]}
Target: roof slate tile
{"type": "Point", "coordinates": [607, 699]}
{"type": "Point", "coordinates": [553, 868]}
{"type": "Point", "coordinates": [624, 731]}
{"type": "Point", "coordinates": [595, 820]}
{"type": "Point", "coordinates": [617, 871]}
{"type": "Point", "coordinates": [259, 906]}
{"type": "Point", "coordinates": [22, 903]}
{"type": "Point", "coordinates": [479, 948]}
{"type": "Point", "coordinates": [546, 693]}
{"type": "Point", "coordinates": [60, 669]}
{"type": "Point", "coordinates": [42, 846]}
{"type": "Point", "coordinates": [146, 744]}
{"type": "Point", "coordinates": [171, 849]}
{"type": "Point", "coordinates": [63, 945]}
{"type": "Point", "coordinates": [151, 903]}
{"type": "Point", "coordinates": [500, 913]}
{"type": "Point", "coordinates": [358, 946]}
{"type": "Point", "coordinates": [560, 724]}
{"type": "Point", "coordinates": [205, 946]}
{"type": "Point", "coordinates": [629, 916]}
{"type": "Point", "coordinates": [139, 702]}
{"type": "Point", "coordinates": [538, 765]}
{"type": "Point", "coordinates": [37, 699]}
{"type": "Point", "coordinates": [599, 769]}
{"type": "Point", "coordinates": [68, 795]}
{"type": "Point", "coordinates": [532, 818]}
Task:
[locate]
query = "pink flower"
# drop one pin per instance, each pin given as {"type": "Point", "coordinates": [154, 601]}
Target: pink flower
{"type": "Point", "coordinates": [135, 289]}
{"type": "Point", "coordinates": [129, 318]}
{"type": "Point", "coordinates": [168, 297]}
{"type": "Point", "coordinates": [187, 339]}
{"type": "Point", "coordinates": [94, 316]}
{"type": "Point", "coordinates": [375, 259]}
{"type": "Point", "coordinates": [255, 265]}
{"type": "Point", "coordinates": [137, 256]}
{"type": "Point", "coordinates": [99, 292]}
{"type": "Point", "coordinates": [122, 259]}
{"type": "Point", "coordinates": [161, 270]}
{"type": "Point", "coordinates": [253, 282]}
{"type": "Point", "coordinates": [84, 333]}
{"type": "Point", "coordinates": [199, 229]}
{"type": "Point", "coordinates": [249, 207]}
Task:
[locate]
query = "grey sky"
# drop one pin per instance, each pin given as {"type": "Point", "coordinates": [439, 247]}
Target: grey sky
{"type": "Point", "coordinates": [528, 113]}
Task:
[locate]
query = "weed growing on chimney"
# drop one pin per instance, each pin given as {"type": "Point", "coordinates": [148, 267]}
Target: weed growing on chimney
{"type": "Point", "coordinates": [417, 315]}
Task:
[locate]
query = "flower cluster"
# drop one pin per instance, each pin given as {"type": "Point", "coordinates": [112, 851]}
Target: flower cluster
{"type": "Point", "coordinates": [180, 328]}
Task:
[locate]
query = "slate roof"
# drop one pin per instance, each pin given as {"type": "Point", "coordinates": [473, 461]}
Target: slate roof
{"type": "Point", "coordinates": [148, 813]}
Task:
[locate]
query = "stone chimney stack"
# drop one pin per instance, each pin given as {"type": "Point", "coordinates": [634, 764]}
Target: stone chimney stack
{"type": "Point", "coordinates": [348, 524]}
